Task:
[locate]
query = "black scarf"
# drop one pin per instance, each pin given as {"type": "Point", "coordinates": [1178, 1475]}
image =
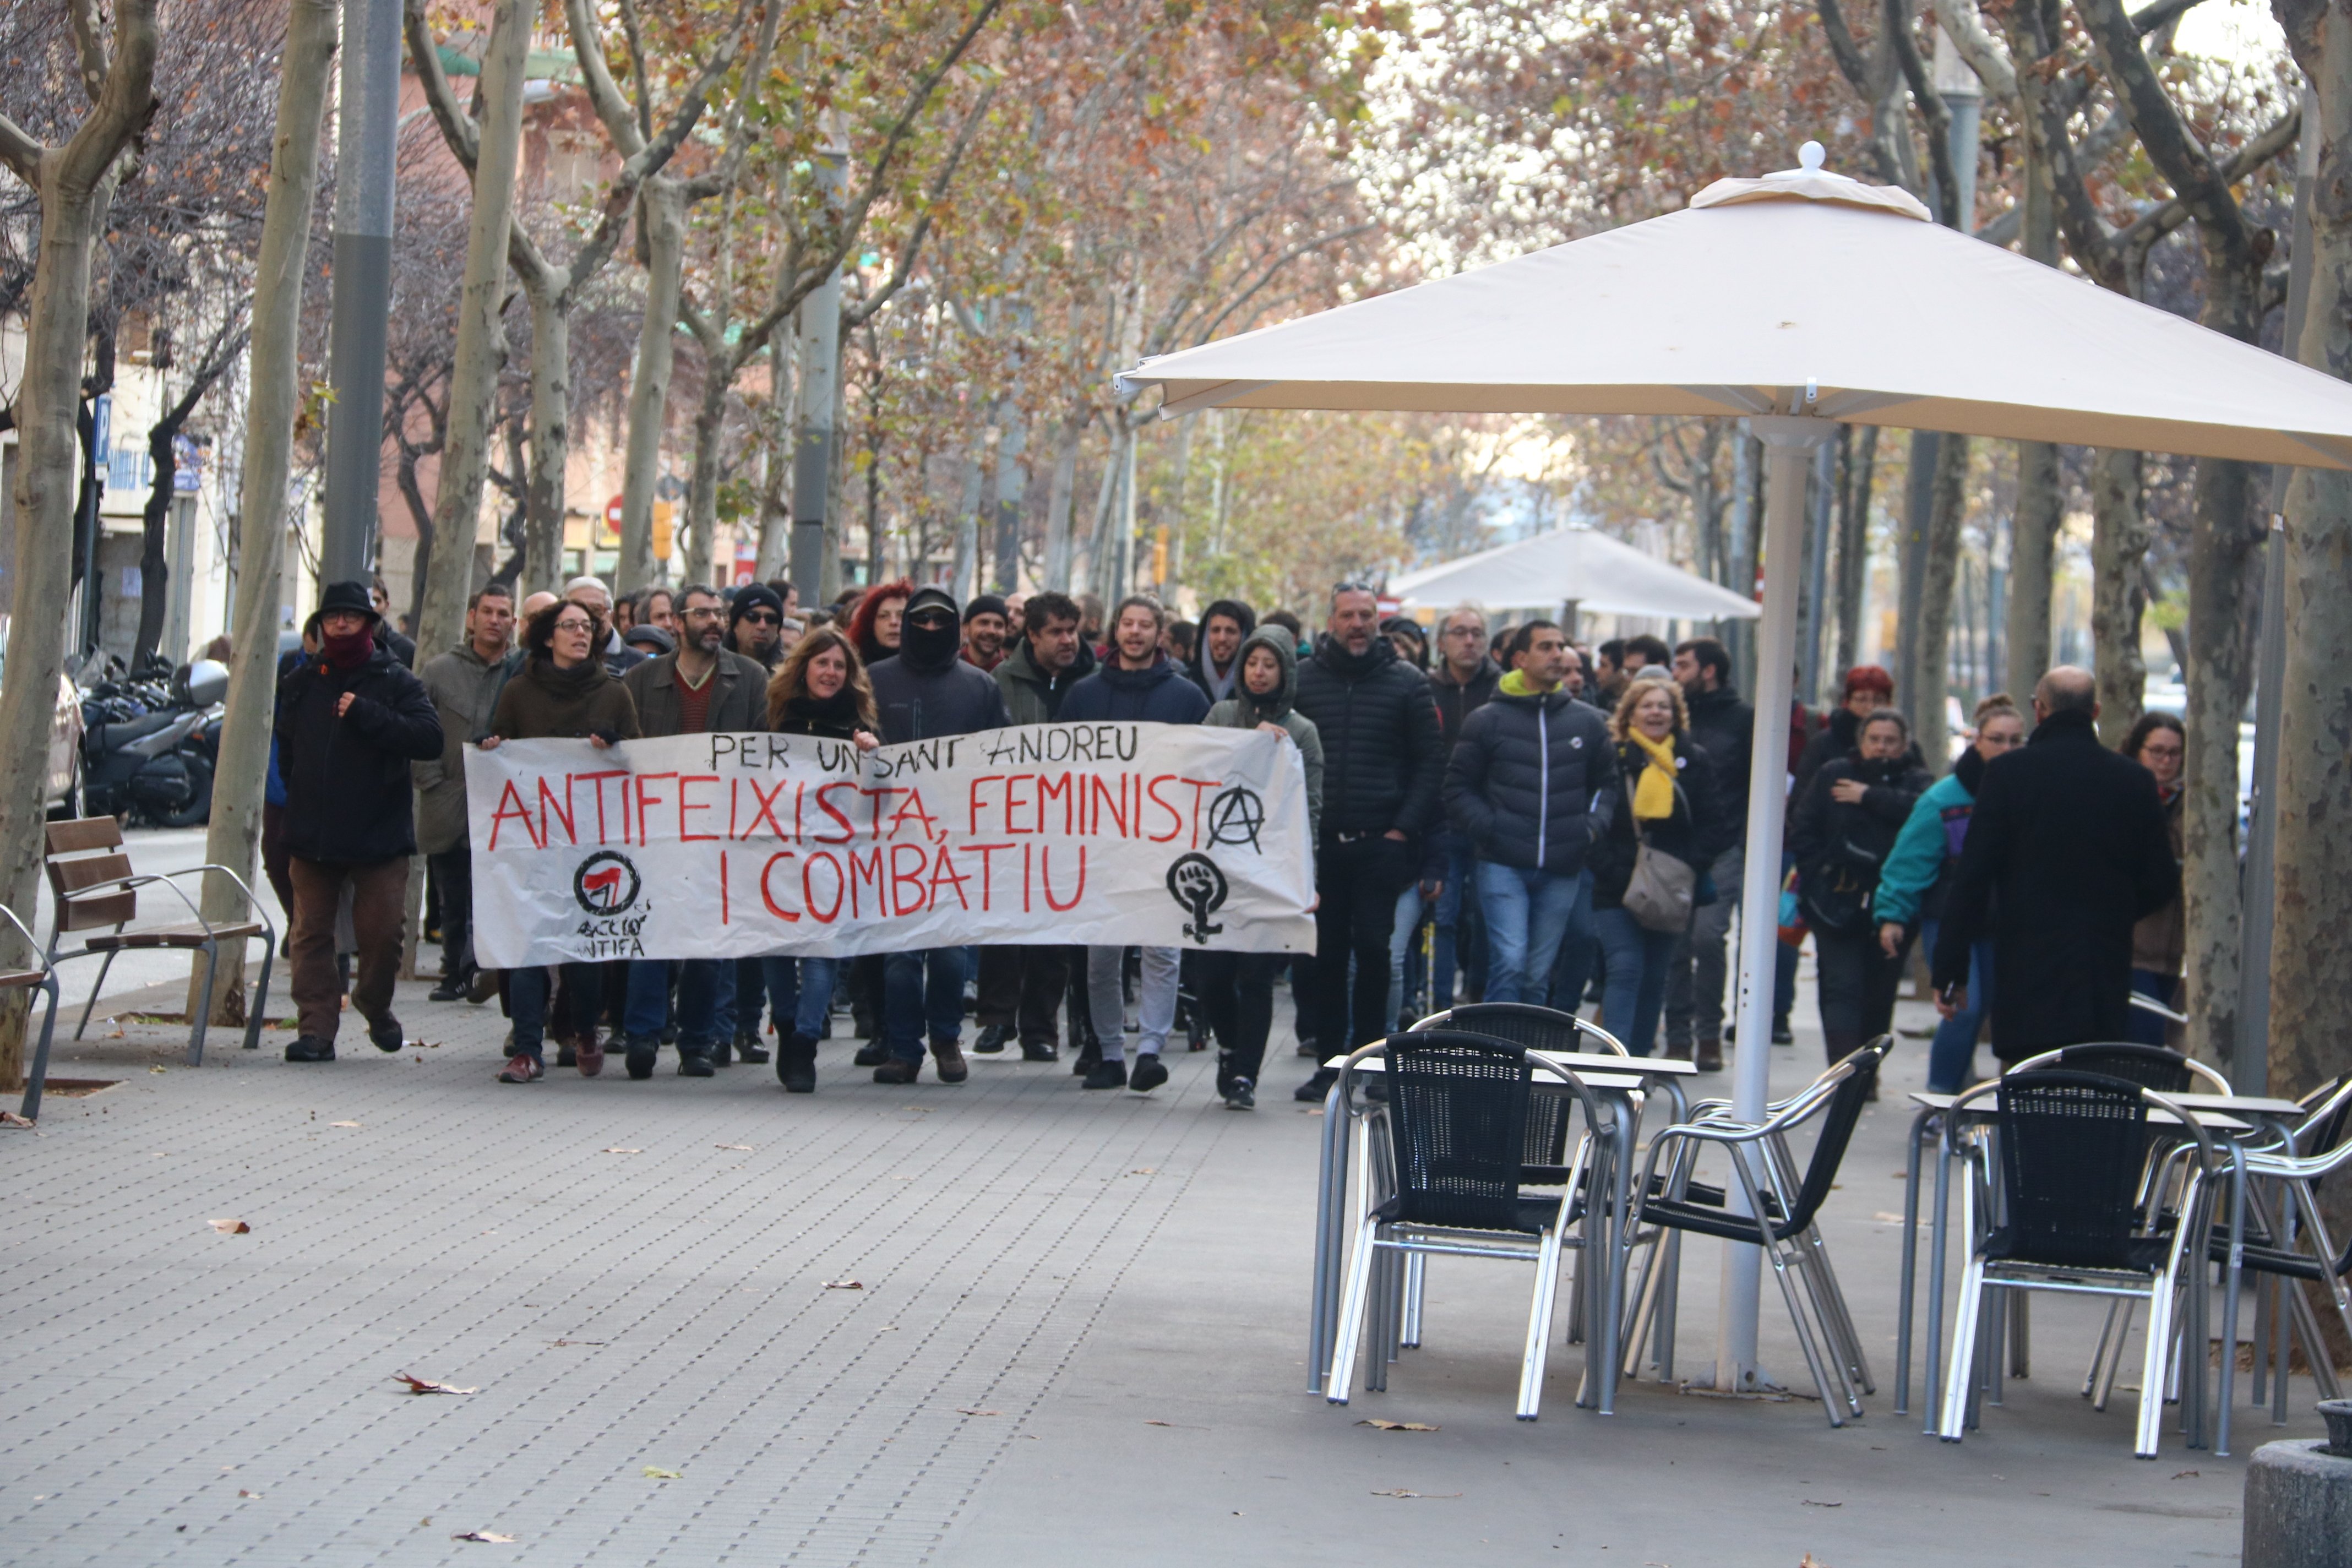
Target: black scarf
{"type": "Point", "coordinates": [834, 715]}
{"type": "Point", "coordinates": [570, 683]}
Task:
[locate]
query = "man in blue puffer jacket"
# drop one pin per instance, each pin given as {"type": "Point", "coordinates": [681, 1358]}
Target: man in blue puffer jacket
{"type": "Point", "coordinates": [1139, 685]}
{"type": "Point", "coordinates": [1517, 787]}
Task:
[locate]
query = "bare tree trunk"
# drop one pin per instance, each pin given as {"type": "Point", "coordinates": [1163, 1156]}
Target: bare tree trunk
{"type": "Point", "coordinates": [1854, 545]}
{"type": "Point", "coordinates": [662, 214]}
{"type": "Point", "coordinates": [273, 396]}
{"type": "Point", "coordinates": [776, 501]}
{"type": "Point", "coordinates": [76, 185]}
{"type": "Point", "coordinates": [2034, 531]}
{"type": "Point", "coordinates": [1939, 563]}
{"type": "Point", "coordinates": [2223, 605]}
{"type": "Point", "coordinates": [2119, 540]}
{"type": "Point", "coordinates": [550, 441]}
{"type": "Point", "coordinates": [1059, 501]}
{"type": "Point", "coordinates": [702, 486]}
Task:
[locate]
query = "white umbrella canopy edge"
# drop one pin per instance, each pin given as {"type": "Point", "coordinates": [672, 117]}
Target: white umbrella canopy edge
{"type": "Point", "coordinates": [1600, 571]}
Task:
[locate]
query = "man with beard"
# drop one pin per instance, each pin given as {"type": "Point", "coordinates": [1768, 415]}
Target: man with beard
{"type": "Point", "coordinates": [925, 692]}
{"type": "Point", "coordinates": [984, 626]}
{"type": "Point", "coordinates": [1216, 664]}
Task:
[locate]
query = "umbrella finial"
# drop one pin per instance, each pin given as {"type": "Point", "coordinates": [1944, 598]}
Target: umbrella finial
{"type": "Point", "coordinates": [1810, 155]}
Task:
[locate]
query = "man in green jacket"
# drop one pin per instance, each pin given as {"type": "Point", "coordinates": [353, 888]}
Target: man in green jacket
{"type": "Point", "coordinates": [464, 684]}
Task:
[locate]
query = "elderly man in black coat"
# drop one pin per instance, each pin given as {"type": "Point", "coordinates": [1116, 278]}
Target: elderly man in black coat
{"type": "Point", "coordinates": [2066, 850]}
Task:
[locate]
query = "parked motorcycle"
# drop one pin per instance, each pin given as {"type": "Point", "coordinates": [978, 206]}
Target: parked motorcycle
{"type": "Point", "coordinates": [148, 747]}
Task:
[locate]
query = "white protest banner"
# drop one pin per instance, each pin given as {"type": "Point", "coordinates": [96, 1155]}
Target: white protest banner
{"type": "Point", "coordinates": [731, 846]}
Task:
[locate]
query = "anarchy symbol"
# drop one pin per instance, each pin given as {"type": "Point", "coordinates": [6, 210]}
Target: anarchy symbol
{"type": "Point", "coordinates": [1195, 881]}
{"type": "Point", "coordinates": [1236, 817]}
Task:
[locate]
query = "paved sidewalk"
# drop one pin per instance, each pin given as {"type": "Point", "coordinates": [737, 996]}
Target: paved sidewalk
{"type": "Point", "coordinates": [1079, 1338]}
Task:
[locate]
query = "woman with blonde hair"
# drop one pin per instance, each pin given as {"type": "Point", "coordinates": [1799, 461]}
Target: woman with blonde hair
{"type": "Point", "coordinates": [820, 688]}
{"type": "Point", "coordinates": [1664, 798]}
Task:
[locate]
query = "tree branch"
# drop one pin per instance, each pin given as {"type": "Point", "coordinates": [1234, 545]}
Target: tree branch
{"type": "Point", "coordinates": [2172, 147]}
{"type": "Point", "coordinates": [459, 132]}
{"type": "Point", "coordinates": [1851, 62]}
{"type": "Point", "coordinates": [604, 93]}
{"type": "Point", "coordinates": [2147, 20]}
{"type": "Point", "coordinates": [90, 47]}
{"type": "Point", "coordinates": [124, 104]}
{"type": "Point", "coordinates": [902, 265]}
{"type": "Point", "coordinates": [21, 152]}
{"type": "Point", "coordinates": [1939, 115]}
{"type": "Point", "coordinates": [1982, 51]}
{"type": "Point", "coordinates": [1276, 265]}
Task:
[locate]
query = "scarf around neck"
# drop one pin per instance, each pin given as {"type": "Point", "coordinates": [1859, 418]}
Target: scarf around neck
{"type": "Point", "coordinates": [1654, 791]}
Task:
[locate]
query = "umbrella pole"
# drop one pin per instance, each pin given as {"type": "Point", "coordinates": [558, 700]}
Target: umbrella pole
{"type": "Point", "coordinates": [1788, 444]}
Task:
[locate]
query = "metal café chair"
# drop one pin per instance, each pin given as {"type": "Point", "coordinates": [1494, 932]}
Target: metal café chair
{"type": "Point", "coordinates": [2064, 1214]}
{"type": "Point", "coordinates": [2158, 1067]}
{"type": "Point", "coordinates": [1783, 1205]}
{"type": "Point", "coordinates": [43, 978]}
{"type": "Point", "coordinates": [91, 881]}
{"type": "Point", "coordinates": [2294, 1245]}
{"type": "Point", "coordinates": [1456, 1112]}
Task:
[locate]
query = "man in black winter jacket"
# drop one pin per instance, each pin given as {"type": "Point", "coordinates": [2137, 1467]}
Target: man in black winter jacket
{"type": "Point", "coordinates": [1724, 729]}
{"type": "Point", "coordinates": [349, 721]}
{"type": "Point", "coordinates": [1382, 760]}
{"type": "Point", "coordinates": [1517, 787]}
{"type": "Point", "coordinates": [926, 690]}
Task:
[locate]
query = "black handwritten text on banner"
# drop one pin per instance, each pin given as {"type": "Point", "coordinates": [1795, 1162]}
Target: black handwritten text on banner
{"type": "Point", "coordinates": [735, 845]}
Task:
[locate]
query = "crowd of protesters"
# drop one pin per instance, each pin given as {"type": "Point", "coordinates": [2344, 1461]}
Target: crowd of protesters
{"type": "Point", "coordinates": [1496, 812]}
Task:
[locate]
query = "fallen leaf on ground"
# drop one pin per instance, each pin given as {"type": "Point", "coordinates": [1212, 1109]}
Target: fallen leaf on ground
{"type": "Point", "coordinates": [744, 1148]}
{"type": "Point", "coordinates": [1397, 1425]}
{"type": "Point", "coordinates": [656, 1473]}
{"type": "Point", "coordinates": [580, 1341]}
{"type": "Point", "coordinates": [10, 1118]}
{"type": "Point", "coordinates": [492, 1536]}
{"type": "Point", "coordinates": [1145, 1171]}
{"type": "Point", "coordinates": [962, 1411]}
{"type": "Point", "coordinates": [844, 1285]}
{"type": "Point", "coordinates": [1811, 1503]}
{"type": "Point", "coordinates": [342, 1124]}
{"type": "Point", "coordinates": [1812, 1562]}
{"type": "Point", "coordinates": [242, 1492]}
{"type": "Point", "coordinates": [1883, 1218]}
{"type": "Point", "coordinates": [231, 1227]}
{"type": "Point", "coordinates": [2184, 1475]}
{"type": "Point", "coordinates": [159, 1070]}
{"type": "Point", "coordinates": [624, 1151]}
{"type": "Point", "coordinates": [423, 1385]}
{"type": "Point", "coordinates": [1399, 1491]}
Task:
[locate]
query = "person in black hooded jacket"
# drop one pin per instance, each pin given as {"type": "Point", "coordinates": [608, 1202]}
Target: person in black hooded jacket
{"type": "Point", "coordinates": [928, 690]}
{"type": "Point", "coordinates": [1383, 760]}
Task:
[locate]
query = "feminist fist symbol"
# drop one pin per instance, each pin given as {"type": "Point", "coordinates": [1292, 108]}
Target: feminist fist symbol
{"type": "Point", "coordinates": [1195, 881]}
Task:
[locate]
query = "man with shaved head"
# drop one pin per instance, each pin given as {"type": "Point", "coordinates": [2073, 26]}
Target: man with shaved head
{"type": "Point", "coordinates": [2066, 850]}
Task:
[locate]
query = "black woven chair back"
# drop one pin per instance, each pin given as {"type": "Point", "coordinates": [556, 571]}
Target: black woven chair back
{"type": "Point", "coordinates": [1539, 1029]}
{"type": "Point", "coordinates": [2150, 1067]}
{"type": "Point", "coordinates": [1837, 1130]}
{"type": "Point", "coordinates": [1458, 1106]}
{"type": "Point", "coordinates": [2073, 1145]}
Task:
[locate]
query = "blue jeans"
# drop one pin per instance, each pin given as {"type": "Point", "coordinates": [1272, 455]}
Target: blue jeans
{"type": "Point", "coordinates": [1529, 914]}
{"type": "Point", "coordinates": [1637, 958]}
{"type": "Point", "coordinates": [800, 988]}
{"type": "Point", "coordinates": [697, 997]}
{"type": "Point", "coordinates": [1458, 944]}
{"type": "Point", "coordinates": [1952, 1053]}
{"type": "Point", "coordinates": [2143, 1027]}
{"type": "Point", "coordinates": [919, 989]}
{"type": "Point", "coordinates": [527, 998]}
{"type": "Point", "coordinates": [1401, 957]}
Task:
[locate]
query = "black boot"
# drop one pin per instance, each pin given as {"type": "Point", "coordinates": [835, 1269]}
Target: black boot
{"type": "Point", "coordinates": [797, 1064]}
{"type": "Point", "coordinates": [872, 1054]}
{"type": "Point", "coordinates": [749, 1050]}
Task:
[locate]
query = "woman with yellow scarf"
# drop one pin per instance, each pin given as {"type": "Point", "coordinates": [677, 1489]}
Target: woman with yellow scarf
{"type": "Point", "coordinates": [1665, 796]}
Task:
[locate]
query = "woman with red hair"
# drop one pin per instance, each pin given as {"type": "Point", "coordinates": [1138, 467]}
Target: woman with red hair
{"type": "Point", "coordinates": [875, 625]}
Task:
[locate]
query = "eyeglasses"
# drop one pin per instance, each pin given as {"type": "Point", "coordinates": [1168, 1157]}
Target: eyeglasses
{"type": "Point", "coordinates": [932, 621]}
{"type": "Point", "coordinates": [763, 617]}
{"type": "Point", "coordinates": [2150, 749]}
{"type": "Point", "coordinates": [575, 626]}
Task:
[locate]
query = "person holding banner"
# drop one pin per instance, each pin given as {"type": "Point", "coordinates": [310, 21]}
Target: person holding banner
{"type": "Point", "coordinates": [821, 688]}
{"type": "Point", "coordinates": [925, 693]}
{"type": "Point", "coordinates": [1238, 987]}
{"type": "Point", "coordinates": [1139, 685]}
{"type": "Point", "coordinates": [563, 691]}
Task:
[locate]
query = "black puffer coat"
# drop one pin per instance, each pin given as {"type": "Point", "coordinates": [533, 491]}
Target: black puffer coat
{"type": "Point", "coordinates": [348, 793]}
{"type": "Point", "coordinates": [1526, 767]}
{"type": "Point", "coordinates": [1696, 833]}
{"type": "Point", "coordinates": [1382, 758]}
{"type": "Point", "coordinates": [1834, 842]}
{"type": "Point", "coordinates": [1725, 727]}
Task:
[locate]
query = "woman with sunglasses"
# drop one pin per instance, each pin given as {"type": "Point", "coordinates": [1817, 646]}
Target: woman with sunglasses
{"type": "Point", "coordinates": [566, 692]}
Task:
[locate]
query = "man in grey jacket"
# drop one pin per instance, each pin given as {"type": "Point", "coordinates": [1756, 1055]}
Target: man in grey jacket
{"type": "Point", "coordinates": [699, 689]}
{"type": "Point", "coordinates": [464, 684]}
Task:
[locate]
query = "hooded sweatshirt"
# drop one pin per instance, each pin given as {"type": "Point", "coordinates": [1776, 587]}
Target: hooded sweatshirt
{"type": "Point", "coordinates": [1245, 710]}
{"type": "Point", "coordinates": [925, 690]}
{"type": "Point", "coordinates": [1220, 685]}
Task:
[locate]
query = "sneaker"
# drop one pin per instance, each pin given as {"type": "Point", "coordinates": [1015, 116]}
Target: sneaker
{"type": "Point", "coordinates": [1107, 1074]}
{"type": "Point", "coordinates": [750, 1051]}
{"type": "Point", "coordinates": [588, 1056]}
{"type": "Point", "coordinates": [991, 1040]}
{"type": "Point", "coordinates": [523, 1068]}
{"type": "Point", "coordinates": [894, 1070]}
{"type": "Point", "coordinates": [1039, 1051]}
{"type": "Point", "coordinates": [640, 1053]}
{"type": "Point", "coordinates": [1224, 1072]}
{"type": "Point", "coordinates": [1241, 1095]}
{"type": "Point", "coordinates": [385, 1035]}
{"type": "Point", "coordinates": [565, 1056]}
{"type": "Point", "coordinates": [311, 1048]}
{"type": "Point", "coordinates": [949, 1060]}
{"type": "Point", "coordinates": [1313, 1091]}
{"type": "Point", "coordinates": [1148, 1074]}
{"type": "Point", "coordinates": [872, 1054]}
{"type": "Point", "coordinates": [696, 1064]}
{"type": "Point", "coordinates": [1782, 1034]}
{"type": "Point", "coordinates": [451, 988]}
{"type": "Point", "coordinates": [1307, 1047]}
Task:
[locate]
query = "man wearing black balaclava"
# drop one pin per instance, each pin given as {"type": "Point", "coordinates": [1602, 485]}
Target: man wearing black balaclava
{"type": "Point", "coordinates": [926, 690]}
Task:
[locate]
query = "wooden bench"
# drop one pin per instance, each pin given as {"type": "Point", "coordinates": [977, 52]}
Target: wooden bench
{"type": "Point", "coordinates": [92, 879]}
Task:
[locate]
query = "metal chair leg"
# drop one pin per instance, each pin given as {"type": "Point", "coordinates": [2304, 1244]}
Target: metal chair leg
{"type": "Point", "coordinates": [1538, 1345]}
{"type": "Point", "coordinates": [203, 1007]}
{"type": "Point", "coordinates": [1951, 1410]}
{"type": "Point", "coordinates": [30, 1110]}
{"type": "Point", "coordinates": [2152, 1367]}
{"type": "Point", "coordinates": [2114, 1352]}
{"type": "Point", "coordinates": [1341, 1384]}
{"type": "Point", "coordinates": [97, 985]}
{"type": "Point", "coordinates": [259, 1010]}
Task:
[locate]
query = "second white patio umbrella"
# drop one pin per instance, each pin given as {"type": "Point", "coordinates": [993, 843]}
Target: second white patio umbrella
{"type": "Point", "coordinates": [1595, 570]}
{"type": "Point", "coordinates": [1801, 299]}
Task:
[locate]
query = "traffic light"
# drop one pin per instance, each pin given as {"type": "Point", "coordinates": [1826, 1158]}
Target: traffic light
{"type": "Point", "coordinates": [664, 529]}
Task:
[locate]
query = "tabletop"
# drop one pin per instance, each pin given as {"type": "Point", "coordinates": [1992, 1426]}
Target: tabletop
{"type": "Point", "coordinates": [2205, 1107]}
{"type": "Point", "coordinates": [1593, 1067]}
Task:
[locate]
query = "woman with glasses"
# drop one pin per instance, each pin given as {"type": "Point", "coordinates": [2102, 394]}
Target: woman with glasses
{"type": "Point", "coordinates": [1918, 873]}
{"type": "Point", "coordinates": [2158, 743]}
{"type": "Point", "coordinates": [566, 692]}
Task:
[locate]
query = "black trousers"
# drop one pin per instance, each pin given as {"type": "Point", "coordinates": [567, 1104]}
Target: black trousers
{"type": "Point", "coordinates": [1858, 982]}
{"type": "Point", "coordinates": [453, 879]}
{"type": "Point", "coordinates": [1022, 985]}
{"type": "Point", "coordinates": [1358, 881]}
{"type": "Point", "coordinates": [1237, 992]}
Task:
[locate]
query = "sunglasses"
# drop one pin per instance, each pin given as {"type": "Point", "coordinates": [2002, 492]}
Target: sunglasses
{"type": "Point", "coordinates": [762, 617]}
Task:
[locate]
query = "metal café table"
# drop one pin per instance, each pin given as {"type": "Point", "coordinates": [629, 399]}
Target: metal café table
{"type": "Point", "coordinates": [1618, 1082]}
{"type": "Point", "coordinates": [2235, 1118]}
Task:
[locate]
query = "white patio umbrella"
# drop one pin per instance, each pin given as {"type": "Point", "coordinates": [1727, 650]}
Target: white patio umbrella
{"type": "Point", "coordinates": [1594, 569]}
{"type": "Point", "coordinates": [1802, 299]}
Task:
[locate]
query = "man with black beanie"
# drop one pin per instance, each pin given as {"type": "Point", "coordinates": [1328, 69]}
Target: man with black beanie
{"type": "Point", "coordinates": [755, 624]}
{"type": "Point", "coordinates": [923, 691]}
{"type": "Point", "coordinates": [985, 623]}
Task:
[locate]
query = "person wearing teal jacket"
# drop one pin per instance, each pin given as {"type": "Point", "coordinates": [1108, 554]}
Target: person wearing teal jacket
{"type": "Point", "coordinates": [1911, 884]}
